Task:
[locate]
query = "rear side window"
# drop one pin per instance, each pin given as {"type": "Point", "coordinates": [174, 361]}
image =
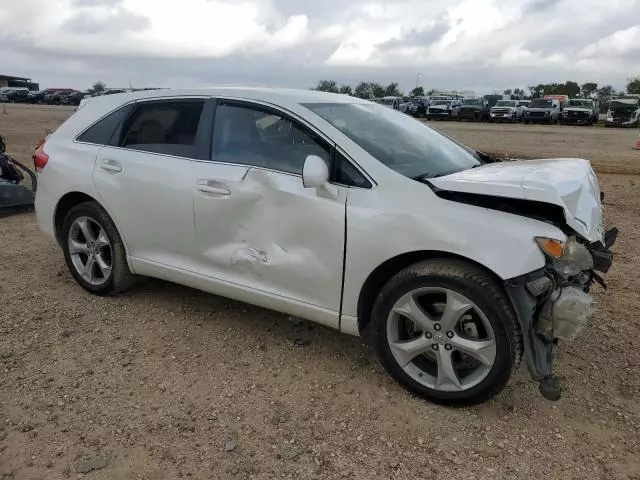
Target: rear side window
{"type": "Point", "coordinates": [169, 127]}
{"type": "Point", "coordinates": [101, 132]}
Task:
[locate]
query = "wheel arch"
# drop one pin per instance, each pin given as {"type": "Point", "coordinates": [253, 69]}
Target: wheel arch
{"type": "Point", "coordinates": [386, 270]}
{"type": "Point", "coordinates": [64, 205]}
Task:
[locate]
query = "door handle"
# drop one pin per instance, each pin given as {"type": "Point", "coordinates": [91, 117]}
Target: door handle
{"type": "Point", "coordinates": [111, 166]}
{"type": "Point", "coordinates": [213, 187]}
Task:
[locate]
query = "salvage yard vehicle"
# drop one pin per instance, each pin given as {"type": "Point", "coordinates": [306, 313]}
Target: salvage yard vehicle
{"type": "Point", "coordinates": [278, 198]}
{"type": "Point", "coordinates": [15, 95]}
{"type": "Point", "coordinates": [580, 111]}
{"type": "Point", "coordinates": [53, 96]}
{"type": "Point", "coordinates": [543, 110]}
{"type": "Point", "coordinates": [418, 107]}
{"type": "Point", "coordinates": [506, 111]}
{"type": "Point", "coordinates": [15, 196]}
{"type": "Point", "coordinates": [397, 103]}
{"type": "Point", "coordinates": [474, 109]}
{"type": "Point", "coordinates": [562, 99]}
{"type": "Point", "coordinates": [72, 98]}
{"type": "Point", "coordinates": [624, 111]}
{"type": "Point", "coordinates": [442, 109]}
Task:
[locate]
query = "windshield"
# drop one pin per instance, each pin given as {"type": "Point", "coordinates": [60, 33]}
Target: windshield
{"type": "Point", "coordinates": [388, 101]}
{"type": "Point", "coordinates": [473, 101]}
{"type": "Point", "coordinates": [505, 103]}
{"type": "Point", "coordinates": [540, 103]}
{"type": "Point", "coordinates": [402, 143]}
{"type": "Point", "coordinates": [579, 103]}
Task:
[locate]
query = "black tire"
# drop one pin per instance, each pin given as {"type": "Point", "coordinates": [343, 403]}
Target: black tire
{"type": "Point", "coordinates": [120, 278]}
{"type": "Point", "coordinates": [479, 287]}
{"type": "Point", "coordinates": [526, 122]}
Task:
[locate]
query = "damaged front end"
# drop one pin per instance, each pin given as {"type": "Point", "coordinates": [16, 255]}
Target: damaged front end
{"type": "Point", "coordinates": [554, 303]}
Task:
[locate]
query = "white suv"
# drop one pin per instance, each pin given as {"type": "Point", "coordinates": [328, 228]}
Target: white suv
{"type": "Point", "coordinates": [337, 210]}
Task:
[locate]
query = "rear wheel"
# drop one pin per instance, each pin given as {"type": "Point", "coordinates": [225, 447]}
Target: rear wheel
{"type": "Point", "coordinates": [445, 331]}
{"type": "Point", "coordinates": [93, 250]}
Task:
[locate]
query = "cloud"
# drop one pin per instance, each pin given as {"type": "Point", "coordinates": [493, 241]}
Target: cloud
{"type": "Point", "coordinates": [113, 21]}
{"type": "Point", "coordinates": [467, 44]}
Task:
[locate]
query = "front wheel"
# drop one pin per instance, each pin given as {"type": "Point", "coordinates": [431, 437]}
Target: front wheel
{"type": "Point", "coordinates": [93, 250]}
{"type": "Point", "coordinates": [447, 332]}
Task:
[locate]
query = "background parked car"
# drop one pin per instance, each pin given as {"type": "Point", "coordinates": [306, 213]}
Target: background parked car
{"type": "Point", "coordinates": [442, 109]}
{"type": "Point", "coordinates": [4, 94]}
{"type": "Point", "coordinates": [14, 95]}
{"type": "Point", "coordinates": [72, 98]}
{"type": "Point", "coordinates": [397, 103]}
{"type": "Point", "coordinates": [524, 105]}
{"type": "Point", "coordinates": [418, 107]}
{"type": "Point", "coordinates": [36, 97]}
{"type": "Point", "coordinates": [543, 110]}
{"type": "Point", "coordinates": [506, 111]}
{"type": "Point", "coordinates": [18, 95]}
{"type": "Point", "coordinates": [624, 111]}
{"type": "Point", "coordinates": [580, 111]}
{"type": "Point", "coordinates": [474, 109]}
{"type": "Point", "coordinates": [52, 96]}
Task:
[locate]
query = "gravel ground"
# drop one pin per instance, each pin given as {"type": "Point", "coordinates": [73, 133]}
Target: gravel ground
{"type": "Point", "coordinates": [168, 382]}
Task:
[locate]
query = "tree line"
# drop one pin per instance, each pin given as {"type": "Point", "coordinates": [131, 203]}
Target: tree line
{"type": "Point", "coordinates": [368, 90]}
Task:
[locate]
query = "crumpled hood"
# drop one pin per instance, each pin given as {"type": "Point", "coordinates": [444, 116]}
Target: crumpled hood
{"type": "Point", "coordinates": [568, 182]}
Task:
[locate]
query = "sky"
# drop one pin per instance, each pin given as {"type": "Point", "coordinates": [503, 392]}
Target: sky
{"type": "Point", "coordinates": [473, 45]}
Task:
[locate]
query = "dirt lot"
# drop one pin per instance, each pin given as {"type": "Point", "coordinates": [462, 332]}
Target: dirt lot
{"type": "Point", "coordinates": [168, 382]}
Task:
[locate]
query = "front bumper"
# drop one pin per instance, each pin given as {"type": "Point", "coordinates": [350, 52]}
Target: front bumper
{"type": "Point", "coordinates": [611, 122]}
{"type": "Point", "coordinates": [558, 313]}
{"type": "Point", "coordinates": [503, 116]}
{"type": "Point", "coordinates": [439, 114]}
{"type": "Point", "coordinates": [469, 114]}
{"type": "Point", "coordinates": [538, 118]}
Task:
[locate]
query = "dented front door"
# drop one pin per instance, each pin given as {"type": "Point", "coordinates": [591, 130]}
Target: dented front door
{"type": "Point", "coordinates": [262, 229]}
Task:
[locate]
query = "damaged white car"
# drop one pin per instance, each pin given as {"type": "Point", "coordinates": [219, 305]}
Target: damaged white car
{"type": "Point", "coordinates": [339, 211]}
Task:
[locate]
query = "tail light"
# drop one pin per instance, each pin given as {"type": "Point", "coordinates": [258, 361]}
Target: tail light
{"type": "Point", "coordinates": [40, 158]}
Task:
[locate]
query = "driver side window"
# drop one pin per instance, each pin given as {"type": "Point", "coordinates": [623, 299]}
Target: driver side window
{"type": "Point", "coordinates": [253, 135]}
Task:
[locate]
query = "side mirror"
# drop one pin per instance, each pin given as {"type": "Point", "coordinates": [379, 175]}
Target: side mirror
{"type": "Point", "coordinates": [315, 172]}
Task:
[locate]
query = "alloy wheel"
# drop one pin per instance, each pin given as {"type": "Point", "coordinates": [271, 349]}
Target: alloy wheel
{"type": "Point", "coordinates": [441, 339]}
{"type": "Point", "coordinates": [90, 250]}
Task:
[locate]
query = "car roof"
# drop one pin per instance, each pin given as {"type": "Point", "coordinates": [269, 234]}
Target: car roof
{"type": "Point", "coordinates": [275, 95]}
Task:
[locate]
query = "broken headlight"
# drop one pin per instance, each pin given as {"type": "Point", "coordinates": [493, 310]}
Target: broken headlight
{"type": "Point", "coordinates": [569, 258]}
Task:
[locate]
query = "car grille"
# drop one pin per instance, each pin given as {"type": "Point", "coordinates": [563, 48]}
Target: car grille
{"type": "Point", "coordinates": [578, 114]}
{"type": "Point", "coordinates": [536, 114]}
{"type": "Point", "coordinates": [501, 110]}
